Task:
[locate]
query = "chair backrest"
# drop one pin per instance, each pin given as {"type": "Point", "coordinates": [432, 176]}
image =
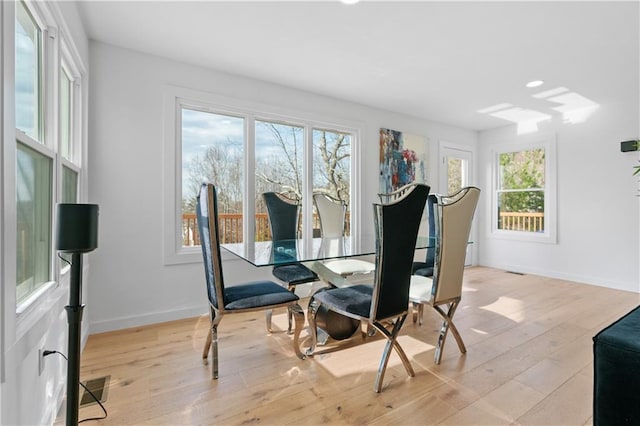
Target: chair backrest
{"type": "Point", "coordinates": [453, 217]}
{"type": "Point", "coordinates": [331, 213]}
{"type": "Point", "coordinates": [207, 216]}
{"type": "Point", "coordinates": [283, 215]}
{"type": "Point", "coordinates": [431, 250]}
{"type": "Point", "coordinates": [392, 196]}
{"type": "Point", "coordinates": [396, 228]}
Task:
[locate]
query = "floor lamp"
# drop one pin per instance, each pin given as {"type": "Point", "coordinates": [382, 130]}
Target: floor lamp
{"type": "Point", "coordinates": [76, 233]}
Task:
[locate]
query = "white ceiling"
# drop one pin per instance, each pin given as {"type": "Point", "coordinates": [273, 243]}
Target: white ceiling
{"type": "Point", "coordinates": [441, 61]}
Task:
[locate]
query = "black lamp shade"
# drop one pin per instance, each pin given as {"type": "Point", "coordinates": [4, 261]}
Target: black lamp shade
{"type": "Point", "coordinates": [77, 229]}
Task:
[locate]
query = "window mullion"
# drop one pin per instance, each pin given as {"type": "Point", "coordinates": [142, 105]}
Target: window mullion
{"type": "Point", "coordinates": [249, 204]}
{"type": "Point", "coordinates": [307, 195]}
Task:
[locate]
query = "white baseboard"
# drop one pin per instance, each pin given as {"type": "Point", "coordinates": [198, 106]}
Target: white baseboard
{"type": "Point", "coordinates": [145, 319]}
{"type": "Point", "coordinates": [584, 279]}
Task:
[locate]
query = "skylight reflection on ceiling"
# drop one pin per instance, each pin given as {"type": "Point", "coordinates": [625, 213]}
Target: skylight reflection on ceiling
{"type": "Point", "coordinates": [574, 108]}
{"type": "Point", "coordinates": [526, 119]}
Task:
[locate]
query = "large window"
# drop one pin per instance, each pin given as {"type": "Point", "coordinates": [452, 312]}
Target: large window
{"type": "Point", "coordinates": [28, 73]}
{"type": "Point", "coordinates": [332, 169]}
{"type": "Point", "coordinates": [34, 200]}
{"type": "Point", "coordinates": [34, 165]}
{"type": "Point", "coordinates": [66, 98]}
{"type": "Point", "coordinates": [520, 191]}
{"type": "Point", "coordinates": [47, 166]}
{"type": "Point", "coordinates": [245, 152]}
{"type": "Point", "coordinates": [279, 167]}
{"type": "Point", "coordinates": [68, 145]}
{"type": "Point", "coordinates": [212, 151]}
{"type": "Point", "coordinates": [524, 194]}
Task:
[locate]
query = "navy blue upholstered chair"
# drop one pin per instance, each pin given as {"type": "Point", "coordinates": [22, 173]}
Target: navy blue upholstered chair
{"type": "Point", "coordinates": [426, 268]}
{"type": "Point", "coordinates": [283, 213]}
{"type": "Point", "coordinates": [245, 297]}
{"type": "Point", "coordinates": [387, 301]}
{"type": "Point", "coordinates": [418, 268]}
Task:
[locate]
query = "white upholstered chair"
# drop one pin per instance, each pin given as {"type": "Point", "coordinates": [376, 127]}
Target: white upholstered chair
{"type": "Point", "coordinates": [453, 215]}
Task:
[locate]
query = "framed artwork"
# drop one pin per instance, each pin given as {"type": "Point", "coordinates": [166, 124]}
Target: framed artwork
{"type": "Point", "coordinates": [403, 159]}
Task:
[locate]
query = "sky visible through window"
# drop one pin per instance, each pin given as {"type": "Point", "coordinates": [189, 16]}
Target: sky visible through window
{"type": "Point", "coordinates": [201, 130]}
{"type": "Point", "coordinates": [26, 76]}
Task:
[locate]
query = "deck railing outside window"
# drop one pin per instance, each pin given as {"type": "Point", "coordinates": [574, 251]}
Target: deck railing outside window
{"type": "Point", "coordinates": [231, 228]}
{"type": "Point", "coordinates": [522, 221]}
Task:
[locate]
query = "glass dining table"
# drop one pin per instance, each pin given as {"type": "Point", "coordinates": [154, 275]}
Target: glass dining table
{"type": "Point", "coordinates": [314, 253]}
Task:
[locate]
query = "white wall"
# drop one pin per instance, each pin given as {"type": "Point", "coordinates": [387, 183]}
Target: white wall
{"type": "Point", "coordinates": [130, 283]}
{"type": "Point", "coordinates": [26, 397]}
{"type": "Point", "coordinates": [597, 199]}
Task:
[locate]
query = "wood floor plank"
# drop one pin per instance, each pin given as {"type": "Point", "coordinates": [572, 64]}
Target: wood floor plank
{"type": "Point", "coordinates": [528, 361]}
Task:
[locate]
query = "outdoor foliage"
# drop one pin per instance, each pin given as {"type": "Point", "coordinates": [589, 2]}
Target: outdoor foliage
{"type": "Point", "coordinates": [521, 181]}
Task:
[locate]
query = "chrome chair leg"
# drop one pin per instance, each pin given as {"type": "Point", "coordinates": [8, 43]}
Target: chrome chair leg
{"type": "Point", "coordinates": [207, 343]}
{"type": "Point", "coordinates": [290, 321]}
{"type": "Point", "coordinates": [418, 312]}
{"type": "Point", "coordinates": [214, 344]}
{"type": "Point", "coordinates": [292, 289]}
{"type": "Point", "coordinates": [312, 311]}
{"type": "Point", "coordinates": [268, 314]}
{"type": "Point", "coordinates": [205, 350]}
{"type": "Point", "coordinates": [391, 343]}
{"type": "Point", "coordinates": [453, 328]}
{"type": "Point", "coordinates": [446, 326]}
{"type": "Point", "coordinates": [295, 311]}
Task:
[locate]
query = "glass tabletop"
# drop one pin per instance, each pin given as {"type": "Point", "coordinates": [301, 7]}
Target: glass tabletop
{"type": "Point", "coordinates": [264, 253]}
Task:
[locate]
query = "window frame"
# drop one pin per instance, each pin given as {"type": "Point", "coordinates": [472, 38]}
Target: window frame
{"type": "Point", "coordinates": [548, 143]}
{"type": "Point", "coordinates": [174, 98]}
{"type": "Point", "coordinates": [68, 65]}
{"type": "Point", "coordinates": [58, 51]}
{"type": "Point", "coordinates": [44, 146]}
{"type": "Point", "coordinates": [36, 14]}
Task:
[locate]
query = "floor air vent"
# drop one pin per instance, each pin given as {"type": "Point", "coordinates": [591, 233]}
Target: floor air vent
{"type": "Point", "coordinates": [514, 272]}
{"type": "Point", "coordinates": [99, 387]}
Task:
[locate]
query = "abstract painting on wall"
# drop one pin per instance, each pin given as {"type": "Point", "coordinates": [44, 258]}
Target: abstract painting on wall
{"type": "Point", "coordinates": [403, 160]}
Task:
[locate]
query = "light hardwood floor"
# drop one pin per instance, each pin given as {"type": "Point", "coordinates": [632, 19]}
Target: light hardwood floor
{"type": "Point", "coordinates": [529, 361]}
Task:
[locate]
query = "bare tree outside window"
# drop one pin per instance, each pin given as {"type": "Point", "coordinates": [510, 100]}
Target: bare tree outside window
{"type": "Point", "coordinates": [213, 151]}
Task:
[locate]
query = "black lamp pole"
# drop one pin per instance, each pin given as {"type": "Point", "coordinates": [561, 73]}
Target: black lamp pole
{"type": "Point", "coordinates": [77, 233]}
{"type": "Point", "coordinates": [74, 319]}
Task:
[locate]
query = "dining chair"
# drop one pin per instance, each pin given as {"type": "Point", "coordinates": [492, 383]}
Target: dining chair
{"type": "Point", "coordinates": [332, 214]}
{"type": "Point", "coordinates": [283, 213]}
{"type": "Point", "coordinates": [418, 268]}
{"type": "Point", "coordinates": [453, 215]}
{"type": "Point", "coordinates": [426, 268]}
{"type": "Point", "coordinates": [387, 300]}
{"type": "Point", "coordinates": [243, 297]}
{"type": "Point", "coordinates": [389, 197]}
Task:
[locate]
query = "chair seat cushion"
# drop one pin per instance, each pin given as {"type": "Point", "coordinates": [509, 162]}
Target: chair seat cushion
{"type": "Point", "coordinates": [422, 268]}
{"type": "Point", "coordinates": [350, 266]}
{"type": "Point", "coordinates": [354, 300]}
{"type": "Point", "coordinates": [293, 274]}
{"type": "Point", "coordinates": [256, 294]}
{"type": "Point", "coordinates": [420, 290]}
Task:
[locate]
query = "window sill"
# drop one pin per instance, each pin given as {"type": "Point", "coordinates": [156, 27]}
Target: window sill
{"type": "Point", "coordinates": [26, 305]}
{"type": "Point", "coordinates": [30, 312]}
{"type": "Point", "coordinates": [525, 237]}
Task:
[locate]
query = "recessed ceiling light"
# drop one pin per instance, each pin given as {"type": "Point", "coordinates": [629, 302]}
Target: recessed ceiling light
{"type": "Point", "coordinates": [535, 83]}
{"type": "Point", "coordinates": [349, 1]}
